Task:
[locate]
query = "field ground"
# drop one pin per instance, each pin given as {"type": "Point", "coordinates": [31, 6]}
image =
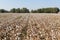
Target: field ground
{"type": "Point", "coordinates": [15, 26]}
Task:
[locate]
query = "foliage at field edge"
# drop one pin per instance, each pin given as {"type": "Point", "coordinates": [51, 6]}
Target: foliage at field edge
{"type": "Point", "coordinates": [25, 10]}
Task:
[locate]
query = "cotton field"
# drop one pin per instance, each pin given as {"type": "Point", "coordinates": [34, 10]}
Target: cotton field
{"type": "Point", "coordinates": [29, 26]}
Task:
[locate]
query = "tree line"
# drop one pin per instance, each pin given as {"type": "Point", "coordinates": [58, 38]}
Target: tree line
{"type": "Point", "coordinates": [25, 10]}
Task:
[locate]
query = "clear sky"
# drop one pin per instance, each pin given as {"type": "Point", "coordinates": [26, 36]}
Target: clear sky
{"type": "Point", "coordinates": [30, 4]}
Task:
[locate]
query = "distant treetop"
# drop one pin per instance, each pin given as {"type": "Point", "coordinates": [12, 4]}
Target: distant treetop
{"type": "Point", "coordinates": [25, 10]}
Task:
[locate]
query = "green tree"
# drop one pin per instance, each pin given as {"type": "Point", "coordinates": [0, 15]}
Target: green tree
{"type": "Point", "coordinates": [33, 11]}
{"type": "Point", "coordinates": [17, 10]}
{"type": "Point", "coordinates": [3, 11]}
{"type": "Point", "coordinates": [48, 10]}
{"type": "Point", "coordinates": [13, 10]}
{"type": "Point", "coordinates": [24, 10]}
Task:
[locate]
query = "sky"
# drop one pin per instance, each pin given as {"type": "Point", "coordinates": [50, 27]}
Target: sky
{"type": "Point", "coordinates": [30, 4]}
